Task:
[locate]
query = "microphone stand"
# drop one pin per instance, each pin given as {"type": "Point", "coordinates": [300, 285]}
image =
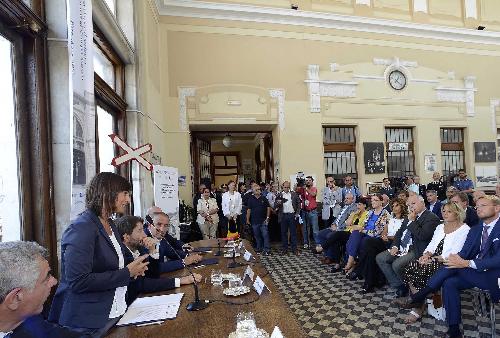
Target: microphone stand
{"type": "Point", "coordinates": [219, 252]}
{"type": "Point", "coordinates": [198, 304]}
{"type": "Point", "coordinates": [233, 263]}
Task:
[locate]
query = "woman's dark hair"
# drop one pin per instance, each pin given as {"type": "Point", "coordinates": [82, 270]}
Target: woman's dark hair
{"type": "Point", "coordinates": [364, 201]}
{"type": "Point", "coordinates": [102, 192]}
{"type": "Point", "coordinates": [402, 204]}
{"type": "Point", "coordinates": [127, 224]}
{"type": "Point", "coordinates": [241, 184]}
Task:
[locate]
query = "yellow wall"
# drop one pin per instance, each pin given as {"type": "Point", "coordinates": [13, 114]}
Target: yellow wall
{"type": "Point", "coordinates": [201, 53]}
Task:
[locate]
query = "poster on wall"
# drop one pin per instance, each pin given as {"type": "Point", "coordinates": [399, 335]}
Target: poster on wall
{"type": "Point", "coordinates": [430, 163]}
{"type": "Point", "coordinates": [486, 176]}
{"type": "Point", "coordinates": [166, 195]}
{"type": "Point", "coordinates": [485, 151]}
{"type": "Point", "coordinates": [80, 47]}
{"type": "Point", "coordinates": [374, 157]}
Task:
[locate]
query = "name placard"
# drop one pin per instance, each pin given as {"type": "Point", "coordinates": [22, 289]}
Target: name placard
{"type": "Point", "coordinates": [249, 272]}
{"type": "Point", "coordinates": [247, 256]}
{"type": "Point", "coordinates": [260, 286]}
{"type": "Point", "coordinates": [277, 333]}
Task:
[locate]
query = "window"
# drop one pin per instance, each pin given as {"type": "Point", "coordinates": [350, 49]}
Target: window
{"type": "Point", "coordinates": [400, 157]}
{"type": "Point", "coordinates": [26, 201]}
{"type": "Point", "coordinates": [106, 149]}
{"type": "Point", "coordinates": [111, 5]}
{"type": "Point", "coordinates": [10, 221]}
{"type": "Point", "coordinates": [452, 150]}
{"type": "Point", "coordinates": [109, 84]}
{"type": "Point", "coordinates": [339, 152]}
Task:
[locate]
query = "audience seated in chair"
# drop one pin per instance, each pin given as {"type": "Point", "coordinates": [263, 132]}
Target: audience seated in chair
{"type": "Point", "coordinates": [367, 265]}
{"type": "Point", "coordinates": [374, 225]}
{"type": "Point", "coordinates": [409, 243]}
{"type": "Point", "coordinates": [476, 265]}
{"type": "Point", "coordinates": [448, 239]}
{"type": "Point", "coordinates": [325, 236]}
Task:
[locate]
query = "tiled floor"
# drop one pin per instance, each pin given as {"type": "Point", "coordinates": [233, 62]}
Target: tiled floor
{"type": "Point", "coordinates": [329, 305]}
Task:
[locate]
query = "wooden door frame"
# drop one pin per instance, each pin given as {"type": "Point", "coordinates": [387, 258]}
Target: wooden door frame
{"type": "Point", "coordinates": [223, 153]}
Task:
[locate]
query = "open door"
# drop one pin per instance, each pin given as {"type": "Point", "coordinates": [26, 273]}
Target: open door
{"type": "Point", "coordinates": [200, 155]}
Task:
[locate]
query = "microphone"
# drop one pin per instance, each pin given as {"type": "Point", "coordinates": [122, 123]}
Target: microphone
{"type": "Point", "coordinates": [219, 252]}
{"type": "Point", "coordinates": [198, 304]}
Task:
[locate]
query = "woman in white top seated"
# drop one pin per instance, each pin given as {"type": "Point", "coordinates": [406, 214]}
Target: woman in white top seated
{"type": "Point", "coordinates": [207, 219]}
{"type": "Point", "coordinates": [448, 238]}
{"type": "Point", "coordinates": [231, 207]}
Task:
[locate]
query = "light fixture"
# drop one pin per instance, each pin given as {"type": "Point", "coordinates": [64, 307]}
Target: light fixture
{"type": "Point", "coordinates": [227, 141]}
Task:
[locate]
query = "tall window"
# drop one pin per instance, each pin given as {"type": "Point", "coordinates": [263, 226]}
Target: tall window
{"type": "Point", "coordinates": [10, 221]}
{"type": "Point", "coordinates": [109, 81]}
{"type": "Point", "coordinates": [452, 150]}
{"type": "Point", "coordinates": [400, 156]}
{"type": "Point", "coordinates": [339, 152]}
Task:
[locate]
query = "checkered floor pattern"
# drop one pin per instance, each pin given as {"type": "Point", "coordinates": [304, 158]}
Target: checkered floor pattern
{"type": "Point", "coordinates": [330, 305]}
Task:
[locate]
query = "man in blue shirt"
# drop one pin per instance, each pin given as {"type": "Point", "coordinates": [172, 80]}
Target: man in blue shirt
{"type": "Point", "coordinates": [258, 213]}
{"type": "Point", "coordinates": [463, 183]}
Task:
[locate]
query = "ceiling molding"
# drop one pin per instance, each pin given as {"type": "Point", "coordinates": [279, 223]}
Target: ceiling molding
{"type": "Point", "coordinates": [249, 13]}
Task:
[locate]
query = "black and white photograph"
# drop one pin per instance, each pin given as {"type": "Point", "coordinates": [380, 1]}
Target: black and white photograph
{"type": "Point", "coordinates": [485, 151]}
{"type": "Point", "coordinates": [374, 157]}
{"type": "Point", "coordinates": [486, 176]}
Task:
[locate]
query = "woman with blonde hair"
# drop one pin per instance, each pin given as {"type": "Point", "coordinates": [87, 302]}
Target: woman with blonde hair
{"type": "Point", "coordinates": [449, 238]}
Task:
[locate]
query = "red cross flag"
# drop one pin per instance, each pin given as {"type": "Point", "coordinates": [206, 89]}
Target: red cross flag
{"type": "Point", "coordinates": [131, 153]}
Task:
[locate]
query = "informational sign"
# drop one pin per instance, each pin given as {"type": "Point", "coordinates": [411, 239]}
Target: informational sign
{"type": "Point", "coordinates": [247, 256]}
{"type": "Point", "coordinates": [166, 195]}
{"type": "Point", "coordinates": [397, 146]}
{"type": "Point", "coordinates": [430, 163]}
{"type": "Point", "coordinates": [81, 93]}
{"type": "Point", "coordinates": [249, 272]}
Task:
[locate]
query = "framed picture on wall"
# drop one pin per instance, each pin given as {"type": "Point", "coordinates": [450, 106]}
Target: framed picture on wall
{"type": "Point", "coordinates": [374, 157]}
{"type": "Point", "coordinates": [485, 151]}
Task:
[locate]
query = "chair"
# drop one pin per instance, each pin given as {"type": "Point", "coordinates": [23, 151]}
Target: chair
{"type": "Point", "coordinates": [485, 307]}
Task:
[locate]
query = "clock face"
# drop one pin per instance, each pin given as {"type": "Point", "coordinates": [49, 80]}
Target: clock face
{"type": "Point", "coordinates": [397, 80]}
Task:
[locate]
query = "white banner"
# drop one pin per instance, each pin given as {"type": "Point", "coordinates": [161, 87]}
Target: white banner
{"type": "Point", "coordinates": [81, 86]}
{"type": "Point", "coordinates": [166, 195]}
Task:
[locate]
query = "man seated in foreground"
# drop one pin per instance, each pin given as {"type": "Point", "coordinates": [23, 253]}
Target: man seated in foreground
{"type": "Point", "coordinates": [476, 265]}
{"type": "Point", "coordinates": [25, 284]}
{"type": "Point", "coordinates": [137, 243]}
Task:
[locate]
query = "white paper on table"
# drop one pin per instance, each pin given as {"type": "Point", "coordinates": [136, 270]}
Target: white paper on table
{"type": "Point", "coordinates": [247, 256]}
{"type": "Point", "coordinates": [155, 308]}
{"type": "Point", "coordinates": [277, 333]}
{"type": "Point", "coordinates": [259, 285]}
{"type": "Point", "coordinates": [249, 272]}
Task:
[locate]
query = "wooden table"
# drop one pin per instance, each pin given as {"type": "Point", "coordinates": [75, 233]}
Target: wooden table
{"type": "Point", "coordinates": [219, 319]}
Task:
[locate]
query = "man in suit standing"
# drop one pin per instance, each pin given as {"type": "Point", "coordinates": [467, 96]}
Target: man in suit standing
{"type": "Point", "coordinates": [434, 203]}
{"type": "Point", "coordinates": [476, 265]}
{"type": "Point", "coordinates": [25, 285]}
{"type": "Point", "coordinates": [409, 243]}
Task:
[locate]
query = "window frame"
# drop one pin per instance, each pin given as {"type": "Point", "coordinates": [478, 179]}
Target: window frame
{"type": "Point", "coordinates": [111, 99]}
{"type": "Point", "coordinates": [346, 147]}
{"type": "Point", "coordinates": [28, 33]}
{"type": "Point", "coordinates": [452, 146]}
{"type": "Point", "coordinates": [411, 147]}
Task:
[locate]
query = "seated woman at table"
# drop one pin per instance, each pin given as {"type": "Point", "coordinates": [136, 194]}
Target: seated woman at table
{"type": "Point", "coordinates": [375, 223]}
{"type": "Point", "coordinates": [367, 265]}
{"type": "Point", "coordinates": [338, 238]}
{"type": "Point", "coordinates": [208, 219]}
{"type": "Point", "coordinates": [448, 239]}
{"type": "Point", "coordinates": [94, 273]}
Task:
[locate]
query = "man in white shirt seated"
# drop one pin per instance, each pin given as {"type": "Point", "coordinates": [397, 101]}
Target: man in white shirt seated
{"type": "Point", "coordinates": [25, 284]}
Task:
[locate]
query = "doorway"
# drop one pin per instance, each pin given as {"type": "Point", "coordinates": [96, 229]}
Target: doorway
{"type": "Point", "coordinates": [241, 156]}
